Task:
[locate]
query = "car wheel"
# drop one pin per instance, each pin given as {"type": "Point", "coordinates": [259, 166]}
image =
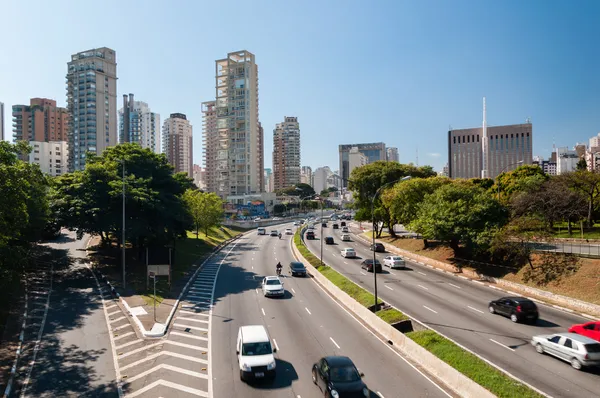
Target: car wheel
{"type": "Point", "coordinates": [241, 375]}
{"type": "Point", "coordinates": [314, 376]}
{"type": "Point", "coordinates": [514, 318]}
{"type": "Point", "coordinates": [539, 348]}
{"type": "Point", "coordinates": [576, 364]}
{"type": "Point", "coordinates": [491, 309]}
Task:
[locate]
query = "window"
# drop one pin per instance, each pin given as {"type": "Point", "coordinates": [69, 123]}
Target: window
{"type": "Point", "coordinates": [468, 139]}
{"type": "Point", "coordinates": [568, 343]}
{"type": "Point", "coordinates": [554, 339]}
{"type": "Point", "coordinates": [589, 326]}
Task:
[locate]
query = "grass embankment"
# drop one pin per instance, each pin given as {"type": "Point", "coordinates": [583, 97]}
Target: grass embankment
{"type": "Point", "coordinates": [468, 364]}
{"type": "Point", "coordinates": [561, 230]}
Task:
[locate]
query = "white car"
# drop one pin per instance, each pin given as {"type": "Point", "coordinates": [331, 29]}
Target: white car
{"type": "Point", "coordinates": [394, 262]}
{"type": "Point", "coordinates": [311, 227]}
{"type": "Point", "coordinates": [257, 219]}
{"type": "Point", "coordinates": [348, 252]}
{"type": "Point", "coordinates": [272, 286]}
{"type": "Point", "coordinates": [288, 231]}
{"type": "Point", "coordinates": [345, 230]}
{"type": "Point", "coordinates": [276, 218]}
{"type": "Point", "coordinates": [296, 223]}
{"type": "Point", "coordinates": [346, 238]}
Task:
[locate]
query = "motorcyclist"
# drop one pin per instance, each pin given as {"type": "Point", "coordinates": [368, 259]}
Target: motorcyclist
{"type": "Point", "coordinates": [278, 268]}
{"type": "Point", "coordinates": [280, 235]}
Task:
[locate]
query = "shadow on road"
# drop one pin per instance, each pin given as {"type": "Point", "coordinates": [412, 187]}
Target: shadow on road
{"type": "Point", "coordinates": [286, 374]}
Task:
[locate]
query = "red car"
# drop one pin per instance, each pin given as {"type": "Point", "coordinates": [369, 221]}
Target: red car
{"type": "Point", "coordinates": [590, 329]}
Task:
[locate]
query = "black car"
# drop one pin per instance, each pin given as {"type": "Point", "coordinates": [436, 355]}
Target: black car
{"type": "Point", "coordinates": [336, 226]}
{"type": "Point", "coordinates": [297, 268]}
{"type": "Point", "coordinates": [378, 248]}
{"type": "Point", "coordinates": [368, 265]}
{"type": "Point", "coordinates": [338, 377]}
{"type": "Point", "coordinates": [329, 240]}
{"type": "Point", "coordinates": [310, 235]}
{"type": "Point", "coordinates": [324, 225]}
{"type": "Point", "coordinates": [343, 223]}
{"type": "Point", "coordinates": [518, 309]}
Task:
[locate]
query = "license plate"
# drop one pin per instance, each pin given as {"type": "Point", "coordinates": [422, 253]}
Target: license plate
{"type": "Point", "coordinates": [259, 374]}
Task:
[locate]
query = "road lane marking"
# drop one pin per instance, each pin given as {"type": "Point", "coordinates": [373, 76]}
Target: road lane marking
{"type": "Point", "coordinates": [333, 341]}
{"type": "Point", "coordinates": [192, 313]}
{"type": "Point", "coordinates": [422, 273]}
{"type": "Point", "coordinates": [293, 291]}
{"type": "Point", "coordinates": [275, 343]}
{"type": "Point", "coordinates": [167, 367]}
{"type": "Point", "coordinates": [256, 290]}
{"type": "Point", "coordinates": [192, 319]}
{"type": "Point", "coordinates": [140, 349]}
{"type": "Point", "coordinates": [501, 345]}
{"type": "Point", "coordinates": [307, 310]}
{"type": "Point", "coordinates": [422, 287]}
{"type": "Point", "coordinates": [362, 273]}
{"type": "Point", "coordinates": [388, 287]}
{"type": "Point", "coordinates": [169, 384]}
{"type": "Point", "coordinates": [189, 346]}
{"type": "Point", "coordinates": [128, 344]}
{"type": "Point", "coordinates": [345, 262]}
{"type": "Point", "coordinates": [179, 325]}
{"type": "Point", "coordinates": [380, 394]}
{"type": "Point", "coordinates": [453, 285]}
{"type": "Point", "coordinates": [474, 309]}
{"type": "Point", "coordinates": [263, 311]}
{"type": "Point", "coordinates": [123, 336]}
{"type": "Point", "coordinates": [435, 312]}
{"type": "Point", "coordinates": [188, 335]}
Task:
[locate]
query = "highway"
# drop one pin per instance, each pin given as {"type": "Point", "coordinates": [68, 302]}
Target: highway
{"type": "Point", "coordinates": [458, 309]}
{"type": "Point", "coordinates": [305, 325]}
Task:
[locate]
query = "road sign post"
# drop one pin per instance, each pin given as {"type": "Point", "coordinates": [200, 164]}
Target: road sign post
{"type": "Point", "coordinates": [153, 276]}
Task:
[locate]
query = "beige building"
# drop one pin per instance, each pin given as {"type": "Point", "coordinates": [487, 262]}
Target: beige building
{"type": "Point", "coordinates": [286, 153]}
{"type": "Point", "coordinates": [392, 154]}
{"type": "Point", "coordinates": [355, 159]}
{"type": "Point", "coordinates": [507, 146]}
{"type": "Point", "coordinates": [373, 152]}
{"type": "Point", "coordinates": [92, 104]}
{"type": "Point", "coordinates": [210, 140]}
{"type": "Point", "coordinates": [177, 143]}
{"type": "Point", "coordinates": [238, 161]}
{"type": "Point", "coordinates": [306, 175]}
{"type": "Point", "coordinates": [50, 156]}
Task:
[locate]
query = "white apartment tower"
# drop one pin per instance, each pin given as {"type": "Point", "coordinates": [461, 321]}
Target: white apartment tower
{"type": "Point", "coordinates": [239, 155]}
{"type": "Point", "coordinates": [210, 139]}
{"type": "Point", "coordinates": [177, 143]}
{"type": "Point", "coordinates": [142, 124]}
{"type": "Point", "coordinates": [92, 104]}
{"type": "Point", "coordinates": [286, 153]}
{"type": "Point", "coordinates": [50, 156]}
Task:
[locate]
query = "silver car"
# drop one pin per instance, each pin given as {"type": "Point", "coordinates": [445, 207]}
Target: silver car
{"type": "Point", "coordinates": [578, 350]}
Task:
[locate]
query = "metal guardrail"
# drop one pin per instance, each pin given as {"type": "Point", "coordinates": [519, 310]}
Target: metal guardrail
{"type": "Point", "coordinates": [576, 248]}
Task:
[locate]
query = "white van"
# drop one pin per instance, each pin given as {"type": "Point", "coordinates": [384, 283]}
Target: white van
{"type": "Point", "coordinates": [255, 353]}
{"type": "Point", "coordinates": [262, 231]}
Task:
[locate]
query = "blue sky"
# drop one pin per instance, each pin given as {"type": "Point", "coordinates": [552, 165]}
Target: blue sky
{"type": "Point", "coordinates": [400, 72]}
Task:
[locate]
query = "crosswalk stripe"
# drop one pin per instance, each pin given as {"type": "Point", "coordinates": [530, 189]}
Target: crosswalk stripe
{"type": "Point", "coordinates": [167, 367]}
{"type": "Point", "coordinates": [140, 349]}
{"type": "Point", "coordinates": [190, 327]}
{"type": "Point", "coordinates": [192, 319]}
{"type": "Point", "coordinates": [188, 335]}
{"type": "Point", "coordinates": [165, 383]}
{"type": "Point", "coordinates": [117, 320]}
{"type": "Point", "coordinates": [123, 336]}
{"type": "Point", "coordinates": [122, 326]}
{"type": "Point", "coordinates": [167, 353]}
{"type": "Point", "coordinates": [128, 344]}
{"type": "Point", "coordinates": [189, 346]}
{"type": "Point", "coordinates": [193, 313]}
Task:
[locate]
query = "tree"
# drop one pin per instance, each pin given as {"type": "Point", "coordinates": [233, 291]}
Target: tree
{"type": "Point", "coordinates": [581, 165]}
{"type": "Point", "coordinates": [302, 190]}
{"type": "Point", "coordinates": [206, 209]}
{"type": "Point", "coordinates": [523, 178]}
{"type": "Point", "coordinates": [460, 213]}
{"type": "Point", "coordinates": [586, 182]}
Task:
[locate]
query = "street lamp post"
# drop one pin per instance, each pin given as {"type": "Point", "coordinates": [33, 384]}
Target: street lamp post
{"type": "Point", "coordinates": [123, 229]}
{"type": "Point", "coordinates": [321, 238]}
{"type": "Point", "coordinates": [502, 171]}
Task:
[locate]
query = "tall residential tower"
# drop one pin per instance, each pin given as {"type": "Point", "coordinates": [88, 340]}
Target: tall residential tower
{"type": "Point", "coordinates": [177, 143]}
{"type": "Point", "coordinates": [142, 124]}
{"type": "Point", "coordinates": [286, 153]}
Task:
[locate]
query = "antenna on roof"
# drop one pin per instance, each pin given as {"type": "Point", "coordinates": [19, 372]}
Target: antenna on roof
{"type": "Point", "coordinates": [528, 120]}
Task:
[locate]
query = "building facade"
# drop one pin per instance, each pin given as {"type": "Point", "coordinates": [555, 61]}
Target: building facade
{"type": "Point", "coordinates": [92, 104]}
{"type": "Point", "coordinates": [142, 124]}
{"type": "Point", "coordinates": [50, 156]}
{"type": "Point", "coordinates": [40, 121]}
{"type": "Point", "coordinates": [355, 159]}
{"type": "Point", "coordinates": [261, 154]}
{"type": "Point", "coordinates": [373, 152]}
{"type": "Point", "coordinates": [1, 121]}
{"type": "Point", "coordinates": [547, 166]}
{"type": "Point", "coordinates": [239, 169]}
{"type": "Point", "coordinates": [392, 154]}
{"type": "Point", "coordinates": [199, 177]}
{"type": "Point", "coordinates": [268, 178]}
{"type": "Point", "coordinates": [286, 153]}
{"type": "Point", "coordinates": [177, 143]}
{"type": "Point", "coordinates": [306, 175]}
{"type": "Point", "coordinates": [210, 141]}
{"type": "Point", "coordinates": [507, 146]}
{"type": "Point", "coordinates": [320, 177]}
{"type": "Point", "coordinates": [566, 160]}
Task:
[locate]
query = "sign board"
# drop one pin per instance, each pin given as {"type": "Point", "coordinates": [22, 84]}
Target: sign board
{"type": "Point", "coordinates": [158, 269]}
{"type": "Point", "coordinates": [151, 274]}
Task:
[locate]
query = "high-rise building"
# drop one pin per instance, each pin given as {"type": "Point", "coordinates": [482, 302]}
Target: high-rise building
{"type": "Point", "coordinates": [547, 166]}
{"type": "Point", "coordinates": [40, 121]}
{"type": "Point", "coordinates": [210, 139]}
{"type": "Point", "coordinates": [239, 153]}
{"type": "Point", "coordinates": [392, 154]}
{"type": "Point", "coordinates": [177, 143]}
{"type": "Point", "coordinates": [373, 152]}
{"type": "Point", "coordinates": [92, 104]}
{"type": "Point", "coordinates": [595, 141]}
{"type": "Point", "coordinates": [507, 148]}
{"type": "Point", "coordinates": [261, 154]}
{"type": "Point", "coordinates": [50, 156]}
{"type": "Point", "coordinates": [320, 177]}
{"type": "Point", "coordinates": [566, 160]}
{"type": "Point", "coordinates": [355, 159]}
{"type": "Point", "coordinates": [142, 124]}
{"type": "Point", "coordinates": [268, 178]}
{"type": "Point", "coordinates": [306, 175]}
{"type": "Point", "coordinates": [1, 121]}
{"type": "Point", "coordinates": [199, 177]}
{"type": "Point", "coordinates": [286, 153]}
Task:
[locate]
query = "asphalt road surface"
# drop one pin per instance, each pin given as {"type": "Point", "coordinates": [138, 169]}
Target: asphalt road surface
{"type": "Point", "coordinates": [458, 308]}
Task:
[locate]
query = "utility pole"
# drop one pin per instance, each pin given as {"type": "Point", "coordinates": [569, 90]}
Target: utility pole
{"type": "Point", "coordinates": [123, 229]}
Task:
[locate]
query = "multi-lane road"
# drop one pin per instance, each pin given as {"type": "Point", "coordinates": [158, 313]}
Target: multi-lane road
{"type": "Point", "coordinates": [457, 308]}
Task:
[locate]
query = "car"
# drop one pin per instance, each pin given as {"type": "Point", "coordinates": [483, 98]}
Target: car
{"type": "Point", "coordinates": [336, 226]}
{"type": "Point", "coordinates": [274, 233]}
{"type": "Point", "coordinates": [345, 230]}
{"type": "Point", "coordinates": [378, 247]}
{"type": "Point", "coordinates": [589, 329]}
{"type": "Point", "coordinates": [261, 231]}
{"type": "Point", "coordinates": [310, 235]}
{"type": "Point", "coordinates": [324, 225]}
{"type": "Point", "coordinates": [288, 231]}
{"type": "Point", "coordinates": [394, 262]}
{"type": "Point", "coordinates": [276, 218]}
{"type": "Point", "coordinates": [272, 286]}
{"type": "Point", "coordinates": [576, 349]}
{"type": "Point", "coordinates": [518, 309]}
{"type": "Point", "coordinates": [348, 252]}
{"type": "Point", "coordinates": [311, 226]}
{"type": "Point", "coordinates": [337, 376]}
{"type": "Point", "coordinates": [296, 223]}
{"type": "Point", "coordinates": [346, 238]}
{"type": "Point", "coordinates": [255, 353]}
{"type": "Point", "coordinates": [257, 219]}
{"type": "Point", "coordinates": [368, 265]}
{"type": "Point", "coordinates": [329, 240]}
{"type": "Point", "coordinates": [297, 268]}
{"type": "Point", "coordinates": [343, 223]}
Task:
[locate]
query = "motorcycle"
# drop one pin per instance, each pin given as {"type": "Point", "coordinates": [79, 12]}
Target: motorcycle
{"type": "Point", "coordinates": [278, 271]}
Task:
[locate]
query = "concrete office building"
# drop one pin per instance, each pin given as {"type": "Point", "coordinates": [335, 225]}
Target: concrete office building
{"type": "Point", "coordinates": [392, 154]}
{"type": "Point", "coordinates": [286, 153]}
{"type": "Point", "coordinates": [355, 159]}
{"type": "Point", "coordinates": [92, 103]}
{"type": "Point", "coordinates": [373, 152]}
{"type": "Point", "coordinates": [1, 121]}
{"type": "Point", "coordinates": [177, 143]}
{"type": "Point", "coordinates": [50, 156]}
{"type": "Point", "coordinates": [306, 175]}
{"type": "Point", "coordinates": [566, 160]}
{"type": "Point", "coordinates": [40, 121]}
{"type": "Point", "coordinates": [239, 169]}
{"type": "Point", "coordinates": [320, 177]}
{"type": "Point", "coordinates": [142, 124]}
{"type": "Point", "coordinates": [547, 166]}
{"type": "Point", "coordinates": [506, 146]}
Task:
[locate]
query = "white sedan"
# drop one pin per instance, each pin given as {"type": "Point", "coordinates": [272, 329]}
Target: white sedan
{"type": "Point", "coordinates": [348, 252]}
{"type": "Point", "coordinates": [394, 262]}
{"type": "Point", "coordinates": [272, 286]}
{"type": "Point", "coordinates": [288, 231]}
{"type": "Point", "coordinates": [346, 238]}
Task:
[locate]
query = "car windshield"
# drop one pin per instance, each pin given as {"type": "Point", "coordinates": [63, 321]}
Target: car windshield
{"type": "Point", "coordinates": [297, 266]}
{"type": "Point", "coordinates": [396, 258]}
{"type": "Point", "coordinates": [273, 282]}
{"type": "Point", "coordinates": [344, 374]}
{"type": "Point", "coordinates": [263, 348]}
{"type": "Point", "coordinates": [592, 347]}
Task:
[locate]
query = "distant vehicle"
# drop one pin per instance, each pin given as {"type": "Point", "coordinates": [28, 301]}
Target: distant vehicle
{"type": "Point", "coordinates": [336, 226]}
{"type": "Point", "coordinates": [257, 219]}
{"type": "Point", "coordinates": [276, 218]}
{"type": "Point", "coordinates": [296, 223]}
{"type": "Point", "coordinates": [343, 223]}
{"type": "Point", "coordinates": [337, 376]}
{"type": "Point", "coordinates": [348, 252]}
{"type": "Point", "coordinates": [261, 231]}
{"type": "Point", "coordinates": [274, 232]}
{"type": "Point", "coordinates": [255, 353]}
{"type": "Point", "coordinates": [311, 226]}
{"type": "Point", "coordinates": [346, 238]}
{"type": "Point", "coordinates": [288, 231]}
{"type": "Point", "coordinates": [368, 265]}
{"type": "Point", "coordinates": [310, 235]}
{"type": "Point", "coordinates": [345, 230]}
{"type": "Point", "coordinates": [589, 329]}
{"type": "Point", "coordinates": [297, 268]}
{"type": "Point", "coordinates": [394, 262]}
{"type": "Point", "coordinates": [272, 286]}
{"type": "Point", "coordinates": [579, 350]}
{"type": "Point", "coordinates": [378, 247]}
{"type": "Point", "coordinates": [518, 309]}
{"type": "Point", "coordinates": [329, 240]}
{"type": "Point", "coordinates": [324, 225]}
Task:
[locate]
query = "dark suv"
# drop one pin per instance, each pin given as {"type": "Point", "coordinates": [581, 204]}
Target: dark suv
{"type": "Point", "coordinates": [368, 265]}
{"type": "Point", "coordinates": [329, 240]}
{"type": "Point", "coordinates": [336, 226]}
{"type": "Point", "coordinates": [518, 309]}
{"type": "Point", "coordinates": [378, 248]}
{"type": "Point", "coordinates": [310, 235]}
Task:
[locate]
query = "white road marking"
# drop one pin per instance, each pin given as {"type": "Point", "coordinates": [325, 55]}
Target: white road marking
{"type": "Point", "coordinates": [435, 312]}
{"type": "Point", "coordinates": [502, 345]}
{"type": "Point", "coordinates": [293, 291]}
{"type": "Point", "coordinates": [388, 287]}
{"type": "Point", "coordinates": [189, 346]}
{"type": "Point", "coordinates": [116, 320]}
{"type": "Point", "coordinates": [128, 344]}
{"type": "Point", "coordinates": [256, 290]}
{"type": "Point", "coordinates": [263, 311]}
{"type": "Point", "coordinates": [114, 313]}
{"type": "Point", "coordinates": [192, 313]}
{"type": "Point", "coordinates": [188, 335]}
{"type": "Point", "coordinates": [169, 384]}
{"type": "Point", "coordinates": [333, 341]}
{"type": "Point", "coordinates": [167, 367]}
{"type": "Point", "coordinates": [192, 319]}
{"type": "Point", "coordinates": [362, 273]}
{"type": "Point", "coordinates": [166, 353]}
{"type": "Point", "coordinates": [123, 336]}
{"type": "Point", "coordinates": [380, 394]}
{"type": "Point", "coordinates": [252, 267]}
{"type": "Point", "coordinates": [275, 343]}
{"type": "Point", "coordinates": [190, 327]}
{"type": "Point", "coordinates": [125, 355]}
{"type": "Point", "coordinates": [453, 285]}
{"type": "Point", "coordinates": [345, 262]}
{"type": "Point", "coordinates": [422, 287]}
{"type": "Point", "coordinates": [474, 309]}
{"type": "Point", "coordinates": [110, 306]}
{"type": "Point", "coordinates": [422, 273]}
{"type": "Point", "coordinates": [307, 310]}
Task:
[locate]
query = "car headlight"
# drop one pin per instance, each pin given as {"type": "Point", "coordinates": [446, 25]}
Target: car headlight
{"type": "Point", "coordinates": [334, 394]}
{"type": "Point", "coordinates": [246, 367]}
{"type": "Point", "coordinates": [366, 392]}
{"type": "Point", "coordinates": [271, 366]}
